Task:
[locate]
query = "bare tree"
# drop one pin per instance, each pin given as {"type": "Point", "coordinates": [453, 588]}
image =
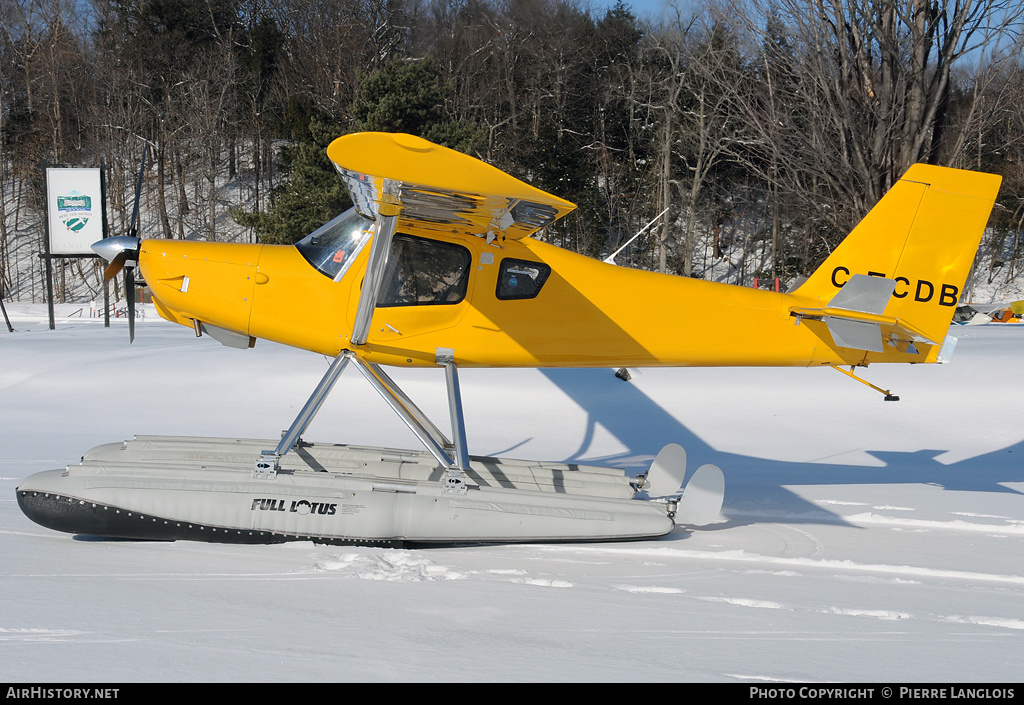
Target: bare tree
{"type": "Point", "coordinates": [707, 124]}
{"type": "Point", "coordinates": [663, 75]}
{"type": "Point", "coordinates": [849, 93]}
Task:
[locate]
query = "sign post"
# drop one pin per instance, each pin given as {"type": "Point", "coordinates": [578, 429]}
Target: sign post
{"type": "Point", "coordinates": [103, 210]}
{"type": "Point", "coordinates": [7, 320]}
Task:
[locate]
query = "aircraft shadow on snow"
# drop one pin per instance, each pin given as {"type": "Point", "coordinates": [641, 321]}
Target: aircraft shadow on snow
{"type": "Point", "coordinates": [640, 424]}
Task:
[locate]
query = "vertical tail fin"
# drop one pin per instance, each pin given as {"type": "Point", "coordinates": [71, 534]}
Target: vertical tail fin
{"type": "Point", "coordinates": [923, 234]}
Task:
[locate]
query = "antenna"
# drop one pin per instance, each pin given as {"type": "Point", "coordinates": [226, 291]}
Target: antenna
{"type": "Point", "coordinates": [610, 259]}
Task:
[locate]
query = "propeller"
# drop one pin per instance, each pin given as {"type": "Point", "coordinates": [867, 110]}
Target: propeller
{"type": "Point", "coordinates": [122, 252]}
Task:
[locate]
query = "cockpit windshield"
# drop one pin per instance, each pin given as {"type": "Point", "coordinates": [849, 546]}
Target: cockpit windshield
{"type": "Point", "coordinates": [333, 247]}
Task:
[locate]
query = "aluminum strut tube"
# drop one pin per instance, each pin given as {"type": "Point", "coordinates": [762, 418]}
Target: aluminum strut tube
{"type": "Point", "coordinates": [385, 225]}
{"type": "Point", "coordinates": [395, 402]}
{"type": "Point", "coordinates": [316, 399]}
{"type": "Point", "coordinates": [422, 418]}
{"type": "Point", "coordinates": [269, 462]}
{"type": "Point", "coordinates": [458, 419]}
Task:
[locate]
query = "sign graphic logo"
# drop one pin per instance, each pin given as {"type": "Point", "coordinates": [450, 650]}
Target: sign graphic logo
{"type": "Point", "coordinates": [74, 210]}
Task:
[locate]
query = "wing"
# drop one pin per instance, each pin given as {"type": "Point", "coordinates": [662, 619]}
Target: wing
{"type": "Point", "coordinates": [439, 189]}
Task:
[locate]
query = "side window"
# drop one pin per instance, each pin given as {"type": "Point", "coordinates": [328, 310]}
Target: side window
{"type": "Point", "coordinates": [521, 279]}
{"type": "Point", "coordinates": [423, 272]}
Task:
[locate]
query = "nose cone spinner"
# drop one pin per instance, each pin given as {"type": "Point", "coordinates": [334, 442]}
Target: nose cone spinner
{"type": "Point", "coordinates": [110, 247]}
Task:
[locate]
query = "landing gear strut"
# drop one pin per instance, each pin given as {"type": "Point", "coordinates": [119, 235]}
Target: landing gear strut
{"type": "Point", "coordinates": [452, 456]}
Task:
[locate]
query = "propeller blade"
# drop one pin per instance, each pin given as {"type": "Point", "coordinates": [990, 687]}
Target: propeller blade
{"type": "Point", "coordinates": [122, 253]}
{"type": "Point", "coordinates": [129, 291]}
{"type": "Point", "coordinates": [114, 267]}
{"type": "Point", "coordinates": [133, 227]}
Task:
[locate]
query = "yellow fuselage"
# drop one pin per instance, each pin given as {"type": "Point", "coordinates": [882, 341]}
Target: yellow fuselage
{"type": "Point", "coordinates": [588, 313]}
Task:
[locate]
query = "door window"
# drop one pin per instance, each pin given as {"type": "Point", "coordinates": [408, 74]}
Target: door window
{"type": "Point", "coordinates": [423, 272]}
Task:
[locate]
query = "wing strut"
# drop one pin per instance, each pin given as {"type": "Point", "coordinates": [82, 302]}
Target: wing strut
{"type": "Point", "coordinates": [386, 223]}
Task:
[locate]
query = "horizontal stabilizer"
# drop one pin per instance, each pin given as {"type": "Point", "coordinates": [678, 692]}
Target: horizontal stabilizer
{"type": "Point", "coordinates": [864, 293]}
{"type": "Point", "coordinates": [858, 335]}
{"type": "Point", "coordinates": [855, 317]}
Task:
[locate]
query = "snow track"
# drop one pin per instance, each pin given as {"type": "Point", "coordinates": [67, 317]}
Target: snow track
{"type": "Point", "coordinates": [860, 541]}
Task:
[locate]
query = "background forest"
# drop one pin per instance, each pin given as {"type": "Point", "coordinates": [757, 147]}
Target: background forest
{"type": "Point", "coordinates": [766, 128]}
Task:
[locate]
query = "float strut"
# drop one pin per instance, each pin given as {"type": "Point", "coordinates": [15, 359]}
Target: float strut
{"type": "Point", "coordinates": [270, 460]}
{"type": "Point", "coordinates": [447, 358]}
{"type": "Point", "coordinates": [456, 481]}
{"type": "Point", "coordinates": [407, 411]}
{"type": "Point", "coordinates": [453, 456]}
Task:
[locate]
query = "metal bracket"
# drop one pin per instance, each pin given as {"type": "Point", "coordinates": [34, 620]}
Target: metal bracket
{"type": "Point", "coordinates": [671, 507]}
{"type": "Point", "coordinates": [267, 466]}
{"type": "Point", "coordinates": [454, 482]}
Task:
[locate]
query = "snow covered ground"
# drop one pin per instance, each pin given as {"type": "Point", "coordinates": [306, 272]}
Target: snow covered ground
{"type": "Point", "coordinates": [861, 541]}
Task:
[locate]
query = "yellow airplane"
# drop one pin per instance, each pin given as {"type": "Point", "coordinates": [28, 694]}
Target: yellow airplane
{"type": "Point", "coordinates": [463, 273]}
{"type": "Point", "coordinates": [436, 266]}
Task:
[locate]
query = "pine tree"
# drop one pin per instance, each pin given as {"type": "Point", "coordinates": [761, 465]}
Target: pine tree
{"type": "Point", "coordinates": [405, 95]}
{"type": "Point", "coordinates": [310, 195]}
{"type": "Point", "coordinates": [402, 96]}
